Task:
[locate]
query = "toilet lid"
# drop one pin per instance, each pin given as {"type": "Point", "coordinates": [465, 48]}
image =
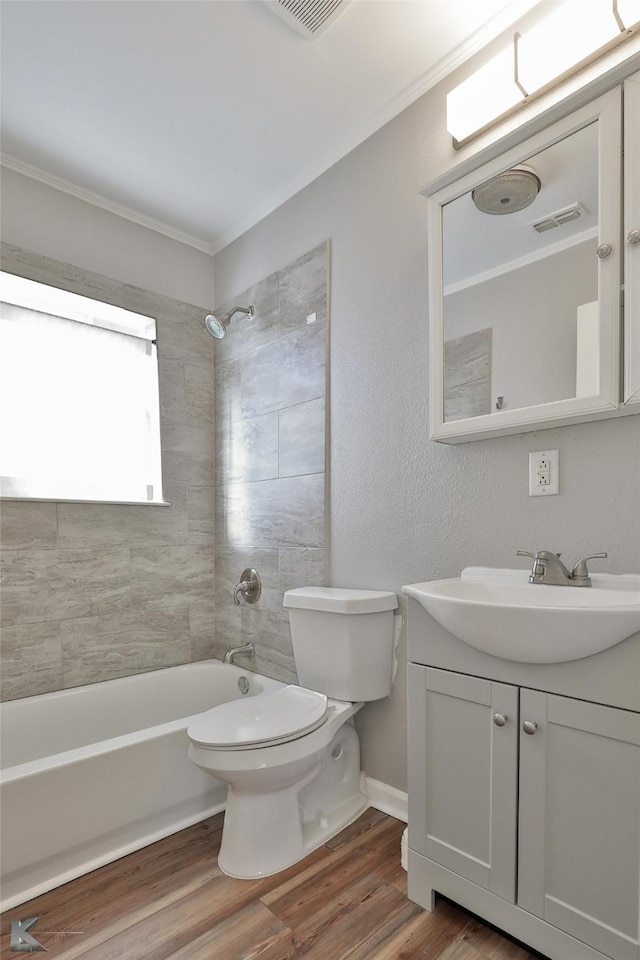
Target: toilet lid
{"type": "Point", "coordinates": [268, 718]}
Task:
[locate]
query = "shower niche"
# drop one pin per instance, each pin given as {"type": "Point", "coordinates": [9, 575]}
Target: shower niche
{"type": "Point", "coordinates": [526, 258]}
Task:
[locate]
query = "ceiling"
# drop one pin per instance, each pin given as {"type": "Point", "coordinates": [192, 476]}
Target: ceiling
{"type": "Point", "coordinates": [199, 117]}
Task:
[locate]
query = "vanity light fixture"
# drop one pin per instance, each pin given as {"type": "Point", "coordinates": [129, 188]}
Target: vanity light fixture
{"type": "Point", "coordinates": [536, 60]}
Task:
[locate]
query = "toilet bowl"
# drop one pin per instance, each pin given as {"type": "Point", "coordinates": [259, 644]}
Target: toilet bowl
{"type": "Point", "coordinates": [291, 758]}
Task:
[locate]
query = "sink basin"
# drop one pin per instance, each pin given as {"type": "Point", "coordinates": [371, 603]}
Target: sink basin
{"type": "Point", "coordinates": [501, 613]}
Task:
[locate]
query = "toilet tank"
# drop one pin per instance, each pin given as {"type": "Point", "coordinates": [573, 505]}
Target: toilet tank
{"type": "Point", "coordinates": [343, 640]}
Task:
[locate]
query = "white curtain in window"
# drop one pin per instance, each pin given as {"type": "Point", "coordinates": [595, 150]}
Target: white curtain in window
{"type": "Point", "coordinates": [78, 410]}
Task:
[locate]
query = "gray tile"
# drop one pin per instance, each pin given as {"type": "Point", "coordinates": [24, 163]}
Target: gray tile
{"type": "Point", "coordinates": [271, 637]}
{"type": "Point", "coordinates": [284, 373]}
{"type": "Point", "coordinates": [39, 585]}
{"type": "Point", "coordinates": [187, 468]}
{"type": "Point", "coordinates": [250, 449]}
{"type": "Point", "coordinates": [191, 437]}
{"type": "Point", "coordinates": [25, 525]}
{"type": "Point", "coordinates": [171, 388]}
{"type": "Point", "coordinates": [202, 630]}
{"type": "Point", "coordinates": [303, 287]}
{"type": "Point", "coordinates": [285, 512]}
{"type": "Point", "coordinates": [31, 660]}
{"type": "Point", "coordinates": [301, 439]}
{"type": "Point", "coordinates": [228, 629]}
{"type": "Point", "coordinates": [102, 648]}
{"type": "Point", "coordinates": [198, 392]}
{"type": "Point", "coordinates": [227, 391]}
{"type": "Point", "coordinates": [201, 514]}
{"type": "Point", "coordinates": [97, 524]}
{"type": "Point", "coordinates": [243, 335]}
{"type": "Point", "coordinates": [232, 560]}
{"type": "Point", "coordinates": [182, 336]}
{"type": "Point", "coordinates": [301, 567]}
{"type": "Point", "coordinates": [166, 576]}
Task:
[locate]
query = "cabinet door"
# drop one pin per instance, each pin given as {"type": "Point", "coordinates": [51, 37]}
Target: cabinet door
{"type": "Point", "coordinates": [463, 775]}
{"type": "Point", "coordinates": [631, 227]}
{"type": "Point", "coordinates": [579, 831]}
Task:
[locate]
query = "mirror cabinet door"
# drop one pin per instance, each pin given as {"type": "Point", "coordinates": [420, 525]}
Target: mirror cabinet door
{"type": "Point", "coordinates": [631, 234]}
{"type": "Point", "coordinates": [525, 283]}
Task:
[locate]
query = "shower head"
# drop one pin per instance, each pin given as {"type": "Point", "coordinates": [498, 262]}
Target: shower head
{"type": "Point", "coordinates": [217, 325]}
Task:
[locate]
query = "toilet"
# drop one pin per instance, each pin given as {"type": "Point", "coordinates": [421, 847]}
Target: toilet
{"type": "Point", "coordinates": [291, 758]}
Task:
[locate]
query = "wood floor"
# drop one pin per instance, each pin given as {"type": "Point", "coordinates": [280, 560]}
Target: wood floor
{"type": "Point", "coordinates": [170, 901]}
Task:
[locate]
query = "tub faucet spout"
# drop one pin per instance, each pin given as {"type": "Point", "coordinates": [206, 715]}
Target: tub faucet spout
{"type": "Point", "coordinates": [247, 648]}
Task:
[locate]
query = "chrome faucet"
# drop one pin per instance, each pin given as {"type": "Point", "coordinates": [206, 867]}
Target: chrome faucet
{"type": "Point", "coordinates": [549, 568]}
{"type": "Point", "coordinates": [232, 652]}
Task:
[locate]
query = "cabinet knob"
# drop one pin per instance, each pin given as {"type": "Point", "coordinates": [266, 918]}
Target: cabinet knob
{"type": "Point", "coordinates": [604, 250]}
{"type": "Point", "coordinates": [530, 727]}
{"type": "Point", "coordinates": [633, 236]}
{"type": "Point", "coordinates": [500, 719]}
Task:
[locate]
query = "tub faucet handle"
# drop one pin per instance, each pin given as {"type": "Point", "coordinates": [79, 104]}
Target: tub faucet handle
{"type": "Point", "coordinates": [250, 587]}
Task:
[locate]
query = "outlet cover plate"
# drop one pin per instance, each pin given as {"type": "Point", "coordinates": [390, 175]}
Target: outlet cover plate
{"type": "Point", "coordinates": [544, 473]}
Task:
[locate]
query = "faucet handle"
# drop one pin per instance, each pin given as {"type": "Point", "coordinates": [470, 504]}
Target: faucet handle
{"type": "Point", "coordinates": [525, 553]}
{"type": "Point", "coordinates": [580, 571]}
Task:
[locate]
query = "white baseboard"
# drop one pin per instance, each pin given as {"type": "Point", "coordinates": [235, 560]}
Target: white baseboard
{"type": "Point", "coordinates": [387, 799]}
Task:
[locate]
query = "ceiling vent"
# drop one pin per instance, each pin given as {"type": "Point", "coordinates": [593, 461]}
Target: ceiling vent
{"type": "Point", "coordinates": [568, 215]}
{"type": "Point", "coordinates": [309, 18]}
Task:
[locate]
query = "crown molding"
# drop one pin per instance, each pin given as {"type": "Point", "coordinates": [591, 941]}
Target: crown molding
{"type": "Point", "coordinates": [502, 21]}
{"type": "Point", "coordinates": [97, 200]}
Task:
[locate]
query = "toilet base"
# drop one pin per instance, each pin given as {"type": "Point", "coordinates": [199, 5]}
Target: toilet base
{"type": "Point", "coordinates": [266, 831]}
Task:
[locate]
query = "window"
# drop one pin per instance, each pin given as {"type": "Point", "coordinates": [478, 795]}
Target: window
{"type": "Point", "coordinates": [79, 406]}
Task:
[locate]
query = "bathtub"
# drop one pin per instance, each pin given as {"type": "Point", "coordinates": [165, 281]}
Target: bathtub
{"type": "Point", "coordinates": [95, 772]}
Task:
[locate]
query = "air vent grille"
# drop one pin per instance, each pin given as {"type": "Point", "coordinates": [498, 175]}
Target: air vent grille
{"type": "Point", "coordinates": [308, 17]}
{"type": "Point", "coordinates": [569, 214]}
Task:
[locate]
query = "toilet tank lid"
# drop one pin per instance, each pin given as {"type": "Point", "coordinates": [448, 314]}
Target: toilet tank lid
{"type": "Point", "coordinates": [339, 600]}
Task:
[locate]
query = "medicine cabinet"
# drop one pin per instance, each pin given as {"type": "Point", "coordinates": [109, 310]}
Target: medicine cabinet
{"type": "Point", "coordinates": [534, 277]}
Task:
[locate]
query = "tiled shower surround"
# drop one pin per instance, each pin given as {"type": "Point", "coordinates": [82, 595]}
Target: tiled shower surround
{"type": "Point", "coordinates": [270, 400]}
{"type": "Point", "coordinates": [92, 591]}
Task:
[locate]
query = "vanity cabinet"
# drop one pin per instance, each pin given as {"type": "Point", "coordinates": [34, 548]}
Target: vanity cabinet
{"type": "Point", "coordinates": [524, 806]}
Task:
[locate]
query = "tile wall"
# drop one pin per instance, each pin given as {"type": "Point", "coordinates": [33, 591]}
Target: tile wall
{"type": "Point", "coordinates": [92, 591]}
{"type": "Point", "coordinates": [270, 398]}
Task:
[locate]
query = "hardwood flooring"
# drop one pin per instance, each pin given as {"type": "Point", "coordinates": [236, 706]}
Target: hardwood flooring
{"type": "Point", "coordinates": [170, 901]}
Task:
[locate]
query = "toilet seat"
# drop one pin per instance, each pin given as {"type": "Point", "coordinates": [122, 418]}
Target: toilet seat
{"type": "Point", "coordinates": [260, 721]}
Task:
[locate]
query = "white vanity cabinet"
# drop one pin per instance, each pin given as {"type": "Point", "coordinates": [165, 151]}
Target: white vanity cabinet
{"type": "Point", "coordinates": [579, 821]}
{"type": "Point", "coordinates": [524, 804]}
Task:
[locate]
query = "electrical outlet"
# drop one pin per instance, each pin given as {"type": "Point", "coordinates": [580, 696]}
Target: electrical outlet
{"type": "Point", "coordinates": [544, 473]}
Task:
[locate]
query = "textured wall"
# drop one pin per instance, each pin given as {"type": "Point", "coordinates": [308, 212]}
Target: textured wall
{"type": "Point", "coordinates": [270, 375]}
{"type": "Point", "coordinates": [92, 591]}
{"type": "Point", "coordinates": [402, 508]}
{"type": "Point", "coordinates": [55, 224]}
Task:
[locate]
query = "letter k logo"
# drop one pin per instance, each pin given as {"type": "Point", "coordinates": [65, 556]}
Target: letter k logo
{"type": "Point", "coordinates": [21, 941]}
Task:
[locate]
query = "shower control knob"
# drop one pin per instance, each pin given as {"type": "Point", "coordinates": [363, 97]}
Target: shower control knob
{"type": "Point", "coordinates": [500, 719]}
{"type": "Point", "coordinates": [633, 236]}
{"type": "Point", "coordinates": [604, 250]}
{"type": "Point", "coordinates": [530, 727]}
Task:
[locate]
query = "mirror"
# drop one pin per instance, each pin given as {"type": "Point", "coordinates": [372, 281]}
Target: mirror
{"type": "Point", "coordinates": [520, 283]}
{"type": "Point", "coordinates": [524, 313]}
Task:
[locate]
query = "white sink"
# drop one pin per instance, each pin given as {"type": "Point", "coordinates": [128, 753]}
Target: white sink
{"type": "Point", "coordinates": [501, 613]}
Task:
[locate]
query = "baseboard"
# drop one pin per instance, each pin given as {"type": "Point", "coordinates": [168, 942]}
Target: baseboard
{"type": "Point", "coordinates": [387, 799]}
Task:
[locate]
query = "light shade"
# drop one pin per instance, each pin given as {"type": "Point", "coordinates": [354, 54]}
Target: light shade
{"type": "Point", "coordinates": [563, 39]}
{"type": "Point", "coordinates": [575, 31]}
{"type": "Point", "coordinates": [483, 96]}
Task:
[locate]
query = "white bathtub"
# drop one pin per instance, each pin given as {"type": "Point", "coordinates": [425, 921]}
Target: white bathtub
{"type": "Point", "coordinates": [92, 773]}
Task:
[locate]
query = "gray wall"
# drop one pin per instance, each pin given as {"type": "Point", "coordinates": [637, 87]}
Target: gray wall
{"type": "Point", "coordinates": [270, 376]}
{"type": "Point", "coordinates": [93, 591]}
{"type": "Point", "coordinates": [401, 507]}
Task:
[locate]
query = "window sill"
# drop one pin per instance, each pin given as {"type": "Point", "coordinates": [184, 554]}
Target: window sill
{"type": "Point", "coordinates": [119, 503]}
